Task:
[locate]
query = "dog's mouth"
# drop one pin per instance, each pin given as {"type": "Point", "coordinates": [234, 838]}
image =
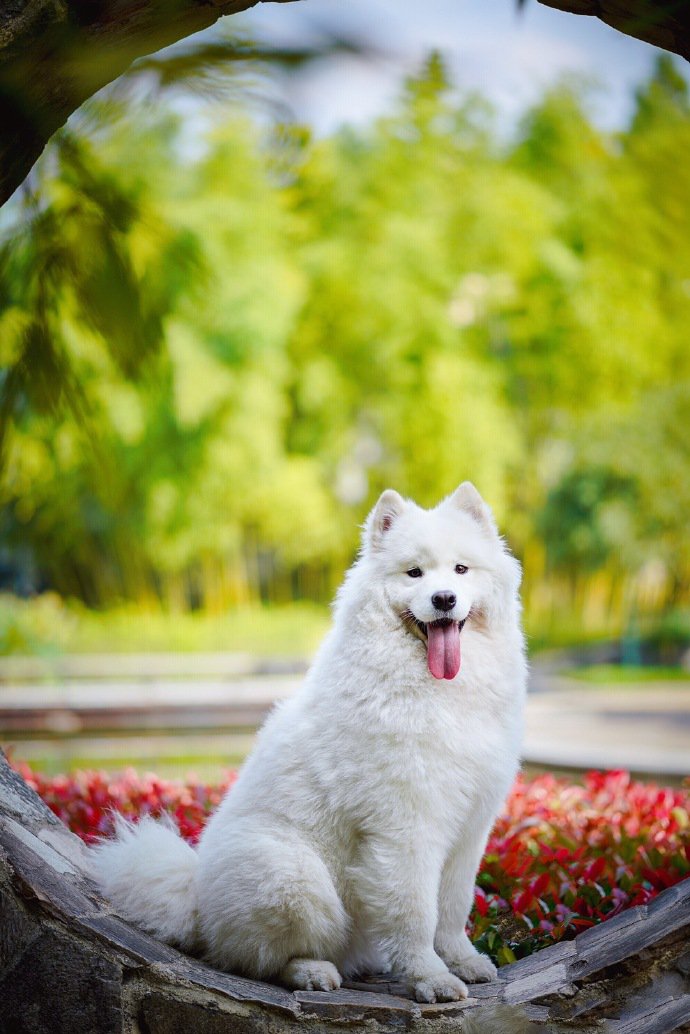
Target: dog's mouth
{"type": "Point", "coordinates": [442, 641]}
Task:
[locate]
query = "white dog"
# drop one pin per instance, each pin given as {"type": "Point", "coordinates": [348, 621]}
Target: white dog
{"type": "Point", "coordinates": [351, 840]}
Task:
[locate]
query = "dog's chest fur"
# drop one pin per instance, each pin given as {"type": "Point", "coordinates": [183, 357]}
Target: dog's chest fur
{"type": "Point", "coordinates": [386, 751]}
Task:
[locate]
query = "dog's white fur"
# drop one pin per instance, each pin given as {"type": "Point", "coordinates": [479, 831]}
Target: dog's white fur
{"type": "Point", "coordinates": [352, 837]}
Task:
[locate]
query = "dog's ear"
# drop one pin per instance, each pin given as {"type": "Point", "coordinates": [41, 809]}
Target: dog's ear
{"type": "Point", "coordinates": [467, 498]}
{"type": "Point", "coordinates": [382, 517]}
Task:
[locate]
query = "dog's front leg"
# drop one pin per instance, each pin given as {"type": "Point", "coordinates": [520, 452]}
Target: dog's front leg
{"type": "Point", "coordinates": [455, 901]}
{"type": "Point", "coordinates": [395, 884]}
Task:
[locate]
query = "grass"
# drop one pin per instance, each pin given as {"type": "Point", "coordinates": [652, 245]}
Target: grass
{"type": "Point", "coordinates": [49, 626]}
{"type": "Point", "coordinates": [607, 674]}
{"type": "Point", "coordinates": [206, 767]}
{"type": "Point", "coordinates": [293, 629]}
{"type": "Point", "coordinates": [170, 757]}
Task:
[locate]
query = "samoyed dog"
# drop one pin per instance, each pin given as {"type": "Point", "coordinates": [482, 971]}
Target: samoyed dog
{"type": "Point", "coordinates": [351, 840]}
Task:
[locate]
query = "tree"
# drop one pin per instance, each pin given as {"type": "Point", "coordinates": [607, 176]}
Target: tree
{"type": "Point", "coordinates": [404, 304]}
{"type": "Point", "coordinates": [665, 24]}
{"type": "Point", "coordinates": [54, 54]}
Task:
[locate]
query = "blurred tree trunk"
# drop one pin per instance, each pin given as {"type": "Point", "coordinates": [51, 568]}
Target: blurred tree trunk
{"type": "Point", "coordinates": [54, 54]}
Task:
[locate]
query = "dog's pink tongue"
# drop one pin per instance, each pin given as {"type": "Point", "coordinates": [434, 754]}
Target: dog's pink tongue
{"type": "Point", "coordinates": [443, 651]}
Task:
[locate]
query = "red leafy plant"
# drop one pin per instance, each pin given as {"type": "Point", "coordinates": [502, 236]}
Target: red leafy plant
{"type": "Point", "coordinates": [562, 857]}
{"type": "Point", "coordinates": [566, 856]}
{"type": "Point", "coordinates": [87, 801]}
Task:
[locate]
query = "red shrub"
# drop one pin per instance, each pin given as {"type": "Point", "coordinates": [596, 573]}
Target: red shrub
{"type": "Point", "coordinates": [86, 801]}
{"type": "Point", "coordinates": [564, 857]}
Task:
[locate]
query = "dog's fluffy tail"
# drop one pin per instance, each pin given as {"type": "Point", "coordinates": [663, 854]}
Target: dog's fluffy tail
{"type": "Point", "coordinates": [148, 872]}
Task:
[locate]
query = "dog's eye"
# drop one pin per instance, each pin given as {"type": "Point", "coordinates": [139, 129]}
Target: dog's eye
{"type": "Point", "coordinates": [415, 572]}
{"type": "Point", "coordinates": [460, 569]}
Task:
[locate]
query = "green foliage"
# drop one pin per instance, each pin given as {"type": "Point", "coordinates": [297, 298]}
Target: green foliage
{"type": "Point", "coordinates": [49, 626]}
{"type": "Point", "coordinates": [212, 365]}
{"type": "Point", "coordinates": [39, 626]}
{"type": "Point", "coordinates": [73, 258]}
{"type": "Point", "coordinates": [586, 517]}
{"type": "Point", "coordinates": [617, 674]}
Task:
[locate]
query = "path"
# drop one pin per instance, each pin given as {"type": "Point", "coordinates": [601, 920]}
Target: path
{"type": "Point", "coordinates": [208, 705]}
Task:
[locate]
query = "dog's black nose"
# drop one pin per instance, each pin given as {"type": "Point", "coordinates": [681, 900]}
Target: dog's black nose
{"type": "Point", "coordinates": [444, 600]}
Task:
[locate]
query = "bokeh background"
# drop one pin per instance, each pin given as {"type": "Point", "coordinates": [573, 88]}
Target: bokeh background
{"type": "Point", "coordinates": [313, 253]}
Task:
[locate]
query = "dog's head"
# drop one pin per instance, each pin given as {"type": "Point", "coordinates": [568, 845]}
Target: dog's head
{"type": "Point", "coordinates": [440, 569]}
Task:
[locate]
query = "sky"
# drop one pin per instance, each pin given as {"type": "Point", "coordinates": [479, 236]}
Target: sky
{"type": "Point", "coordinates": [509, 55]}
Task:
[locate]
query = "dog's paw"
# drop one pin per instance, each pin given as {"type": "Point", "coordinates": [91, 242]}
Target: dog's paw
{"type": "Point", "coordinates": [474, 968]}
{"type": "Point", "coordinates": [440, 987]}
{"type": "Point", "coordinates": [310, 975]}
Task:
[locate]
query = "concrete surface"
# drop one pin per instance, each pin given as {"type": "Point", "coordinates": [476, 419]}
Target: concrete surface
{"type": "Point", "coordinates": [211, 704]}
